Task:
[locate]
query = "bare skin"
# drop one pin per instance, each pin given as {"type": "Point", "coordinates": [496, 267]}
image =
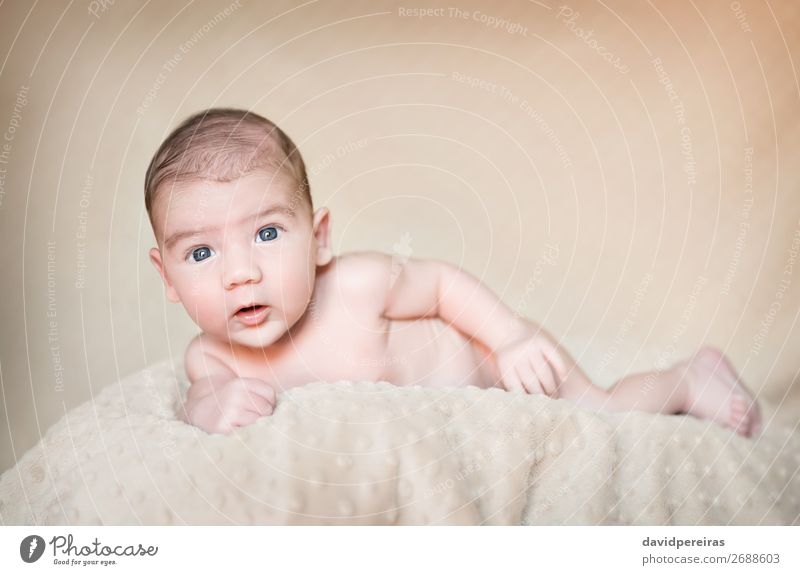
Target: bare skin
{"type": "Point", "coordinates": [278, 310]}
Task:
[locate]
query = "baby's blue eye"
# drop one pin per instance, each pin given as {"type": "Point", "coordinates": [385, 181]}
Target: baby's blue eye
{"type": "Point", "coordinates": [200, 254]}
{"type": "Point", "coordinates": [267, 233]}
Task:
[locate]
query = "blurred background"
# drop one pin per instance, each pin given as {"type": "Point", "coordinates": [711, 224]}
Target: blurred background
{"type": "Point", "coordinates": [623, 173]}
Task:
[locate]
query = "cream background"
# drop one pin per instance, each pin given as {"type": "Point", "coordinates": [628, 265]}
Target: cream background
{"type": "Point", "coordinates": [410, 159]}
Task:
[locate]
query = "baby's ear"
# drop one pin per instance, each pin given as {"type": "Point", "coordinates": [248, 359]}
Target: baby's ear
{"type": "Point", "coordinates": [155, 257]}
{"type": "Point", "coordinates": [322, 236]}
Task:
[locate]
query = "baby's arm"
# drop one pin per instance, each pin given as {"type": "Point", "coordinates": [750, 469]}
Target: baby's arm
{"type": "Point", "coordinates": [527, 357]}
{"type": "Point", "coordinates": [218, 400]}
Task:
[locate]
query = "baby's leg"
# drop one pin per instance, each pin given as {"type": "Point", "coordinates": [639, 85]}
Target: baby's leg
{"type": "Point", "coordinates": [705, 386]}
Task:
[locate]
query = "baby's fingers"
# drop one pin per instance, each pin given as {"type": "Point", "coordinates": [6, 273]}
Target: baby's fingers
{"type": "Point", "coordinates": [545, 373]}
{"type": "Point", "coordinates": [511, 381]}
{"type": "Point", "coordinates": [553, 355]}
{"type": "Point", "coordinates": [530, 381]}
{"type": "Point", "coordinates": [257, 404]}
{"type": "Point", "coordinates": [243, 418]}
{"type": "Point", "coordinates": [258, 388]}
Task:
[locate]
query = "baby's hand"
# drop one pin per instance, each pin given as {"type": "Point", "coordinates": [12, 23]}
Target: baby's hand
{"type": "Point", "coordinates": [532, 364]}
{"type": "Point", "coordinates": [237, 403]}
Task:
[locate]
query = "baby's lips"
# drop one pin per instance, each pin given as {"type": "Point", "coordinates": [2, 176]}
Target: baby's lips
{"type": "Point", "coordinates": [244, 306]}
{"type": "Point", "coordinates": [252, 315]}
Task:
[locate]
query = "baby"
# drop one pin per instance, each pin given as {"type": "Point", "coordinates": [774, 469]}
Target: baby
{"type": "Point", "coordinates": [242, 248]}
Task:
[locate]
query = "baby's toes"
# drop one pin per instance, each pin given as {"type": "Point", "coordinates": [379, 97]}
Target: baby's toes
{"type": "Point", "coordinates": [743, 428]}
{"type": "Point", "coordinates": [753, 418]}
{"type": "Point", "coordinates": [738, 419]}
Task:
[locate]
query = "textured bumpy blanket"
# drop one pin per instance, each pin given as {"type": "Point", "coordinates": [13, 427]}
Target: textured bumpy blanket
{"type": "Point", "coordinates": [373, 453]}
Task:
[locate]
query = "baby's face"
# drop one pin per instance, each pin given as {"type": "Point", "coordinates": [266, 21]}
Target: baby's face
{"type": "Point", "coordinates": [240, 256]}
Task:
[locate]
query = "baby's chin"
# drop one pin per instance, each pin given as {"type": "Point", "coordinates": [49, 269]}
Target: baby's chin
{"type": "Point", "coordinates": [258, 337]}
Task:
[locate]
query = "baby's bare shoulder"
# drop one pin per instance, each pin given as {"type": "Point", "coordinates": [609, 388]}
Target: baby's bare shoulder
{"type": "Point", "coordinates": [362, 277]}
{"type": "Point", "coordinates": [363, 259]}
{"type": "Point", "coordinates": [356, 269]}
{"type": "Point", "coordinates": [206, 357]}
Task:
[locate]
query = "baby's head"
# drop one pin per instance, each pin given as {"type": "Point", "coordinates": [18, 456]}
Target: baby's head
{"type": "Point", "coordinates": [238, 239]}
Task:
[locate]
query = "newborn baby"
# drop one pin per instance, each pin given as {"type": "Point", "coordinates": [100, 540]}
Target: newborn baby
{"type": "Point", "coordinates": [241, 247]}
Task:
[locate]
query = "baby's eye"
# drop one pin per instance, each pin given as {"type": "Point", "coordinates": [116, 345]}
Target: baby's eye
{"type": "Point", "coordinates": [200, 254]}
{"type": "Point", "coordinates": [267, 234]}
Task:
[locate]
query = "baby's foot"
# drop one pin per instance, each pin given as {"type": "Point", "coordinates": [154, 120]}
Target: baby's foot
{"type": "Point", "coordinates": [715, 392]}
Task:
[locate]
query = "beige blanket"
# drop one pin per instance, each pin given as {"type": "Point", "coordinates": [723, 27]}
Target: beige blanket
{"type": "Point", "coordinates": [373, 453]}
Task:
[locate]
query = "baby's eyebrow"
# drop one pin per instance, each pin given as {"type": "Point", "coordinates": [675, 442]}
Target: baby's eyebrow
{"type": "Point", "coordinates": [182, 235]}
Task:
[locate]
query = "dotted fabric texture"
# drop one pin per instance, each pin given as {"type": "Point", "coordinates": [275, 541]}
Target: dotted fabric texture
{"type": "Point", "coordinates": [374, 453]}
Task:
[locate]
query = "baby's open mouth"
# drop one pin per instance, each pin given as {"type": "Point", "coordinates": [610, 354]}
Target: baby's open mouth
{"type": "Point", "coordinates": [252, 314]}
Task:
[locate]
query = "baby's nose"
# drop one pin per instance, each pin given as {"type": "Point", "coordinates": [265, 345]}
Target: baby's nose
{"type": "Point", "coordinates": [240, 270]}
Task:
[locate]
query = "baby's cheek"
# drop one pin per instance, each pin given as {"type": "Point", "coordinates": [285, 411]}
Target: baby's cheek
{"type": "Point", "coordinates": [207, 308]}
{"type": "Point", "coordinates": [297, 286]}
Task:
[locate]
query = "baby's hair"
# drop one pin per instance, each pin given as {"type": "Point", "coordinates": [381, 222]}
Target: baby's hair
{"type": "Point", "coordinates": [222, 145]}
